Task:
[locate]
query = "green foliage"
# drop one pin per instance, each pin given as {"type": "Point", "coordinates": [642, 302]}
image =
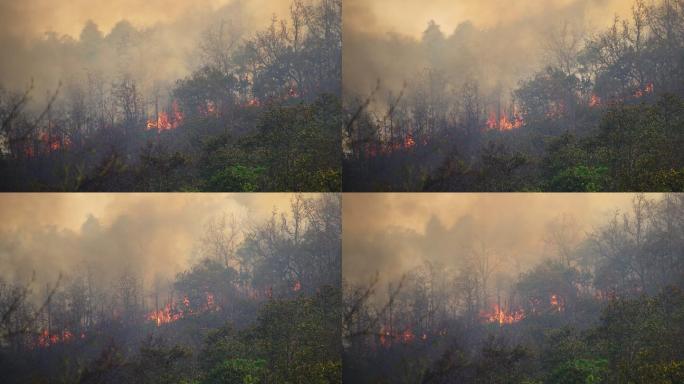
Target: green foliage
{"type": "Point", "coordinates": [641, 143]}
{"type": "Point", "coordinates": [580, 372]}
{"type": "Point", "coordinates": [236, 178]}
{"type": "Point", "coordinates": [160, 364]}
{"type": "Point", "coordinates": [579, 179]}
{"type": "Point", "coordinates": [642, 338]}
{"type": "Point", "coordinates": [500, 363]}
{"type": "Point", "coordinates": [296, 336]}
{"type": "Point", "coordinates": [301, 145]}
{"type": "Point", "coordinates": [295, 147]}
{"type": "Point", "coordinates": [294, 341]}
{"type": "Point", "coordinates": [237, 371]}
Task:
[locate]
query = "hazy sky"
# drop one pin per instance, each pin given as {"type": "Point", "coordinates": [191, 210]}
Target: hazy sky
{"type": "Point", "coordinates": [162, 46]}
{"type": "Point", "coordinates": [394, 233]}
{"type": "Point", "coordinates": [504, 43]}
{"type": "Point", "coordinates": [409, 17]}
{"type": "Point", "coordinates": [154, 234]}
{"type": "Point", "coordinates": [35, 17]}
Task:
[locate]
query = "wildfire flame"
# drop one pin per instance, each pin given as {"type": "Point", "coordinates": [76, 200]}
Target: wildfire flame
{"type": "Point", "coordinates": [46, 339]}
{"type": "Point", "coordinates": [594, 100]}
{"type": "Point", "coordinates": [400, 144]}
{"type": "Point", "coordinates": [501, 316]}
{"type": "Point", "coordinates": [252, 103]}
{"type": "Point", "coordinates": [504, 123]}
{"type": "Point", "coordinates": [647, 90]}
{"type": "Point", "coordinates": [173, 312]}
{"type": "Point", "coordinates": [164, 122]}
{"type": "Point", "coordinates": [557, 303]}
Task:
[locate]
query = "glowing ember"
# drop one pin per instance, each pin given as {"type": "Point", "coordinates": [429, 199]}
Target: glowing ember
{"type": "Point", "coordinates": [409, 142]}
{"type": "Point", "coordinates": [556, 110]}
{"type": "Point", "coordinates": [557, 303]}
{"type": "Point", "coordinates": [252, 103]}
{"type": "Point", "coordinates": [209, 110]}
{"type": "Point", "coordinates": [594, 100]}
{"type": "Point", "coordinates": [211, 304]}
{"type": "Point", "coordinates": [50, 143]}
{"type": "Point", "coordinates": [648, 89]}
{"type": "Point", "coordinates": [407, 336]}
{"type": "Point", "coordinates": [385, 337]}
{"type": "Point", "coordinates": [292, 92]}
{"type": "Point", "coordinates": [46, 339]}
{"type": "Point", "coordinates": [500, 316]}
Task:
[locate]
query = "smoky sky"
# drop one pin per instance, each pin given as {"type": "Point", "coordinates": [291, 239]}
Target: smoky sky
{"type": "Point", "coordinates": [155, 235]}
{"type": "Point", "coordinates": [391, 234]}
{"type": "Point", "coordinates": [496, 43]}
{"type": "Point", "coordinates": [46, 41]}
{"type": "Point", "coordinates": [32, 18]}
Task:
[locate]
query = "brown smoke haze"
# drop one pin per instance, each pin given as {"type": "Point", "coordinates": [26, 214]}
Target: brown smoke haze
{"type": "Point", "coordinates": [392, 234]}
{"type": "Point", "coordinates": [155, 42]}
{"type": "Point", "coordinates": [154, 235]}
{"type": "Point", "coordinates": [496, 43]}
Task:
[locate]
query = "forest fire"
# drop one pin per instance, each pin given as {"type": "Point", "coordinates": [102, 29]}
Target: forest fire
{"type": "Point", "coordinates": [173, 312]}
{"type": "Point", "coordinates": [647, 90]}
{"type": "Point", "coordinates": [504, 123]}
{"type": "Point", "coordinates": [501, 316]}
{"type": "Point", "coordinates": [166, 315]}
{"type": "Point", "coordinates": [209, 110]}
{"type": "Point", "coordinates": [166, 121]}
{"type": "Point", "coordinates": [556, 110]}
{"type": "Point", "coordinates": [254, 102]}
{"type": "Point", "coordinates": [400, 144]}
{"type": "Point", "coordinates": [406, 335]}
{"type": "Point", "coordinates": [46, 339]}
{"type": "Point", "coordinates": [557, 303]}
{"type": "Point", "coordinates": [594, 100]}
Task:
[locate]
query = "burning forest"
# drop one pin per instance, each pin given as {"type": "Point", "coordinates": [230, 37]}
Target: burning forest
{"type": "Point", "coordinates": [227, 97]}
{"type": "Point", "coordinates": [532, 294]}
{"type": "Point", "coordinates": [557, 97]}
{"type": "Point", "coordinates": [227, 300]}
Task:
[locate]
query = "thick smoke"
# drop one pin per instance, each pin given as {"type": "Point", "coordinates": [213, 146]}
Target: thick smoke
{"type": "Point", "coordinates": [155, 236]}
{"type": "Point", "coordinates": [494, 43]}
{"type": "Point", "coordinates": [79, 43]}
{"type": "Point", "coordinates": [392, 234]}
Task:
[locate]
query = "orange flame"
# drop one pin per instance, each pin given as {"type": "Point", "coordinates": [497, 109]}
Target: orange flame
{"type": "Point", "coordinates": [594, 100]}
{"type": "Point", "coordinates": [165, 123]}
{"type": "Point", "coordinates": [648, 89]}
{"type": "Point", "coordinates": [500, 316]}
{"type": "Point", "coordinates": [46, 339]}
{"type": "Point", "coordinates": [504, 123]}
{"type": "Point", "coordinates": [557, 303]}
